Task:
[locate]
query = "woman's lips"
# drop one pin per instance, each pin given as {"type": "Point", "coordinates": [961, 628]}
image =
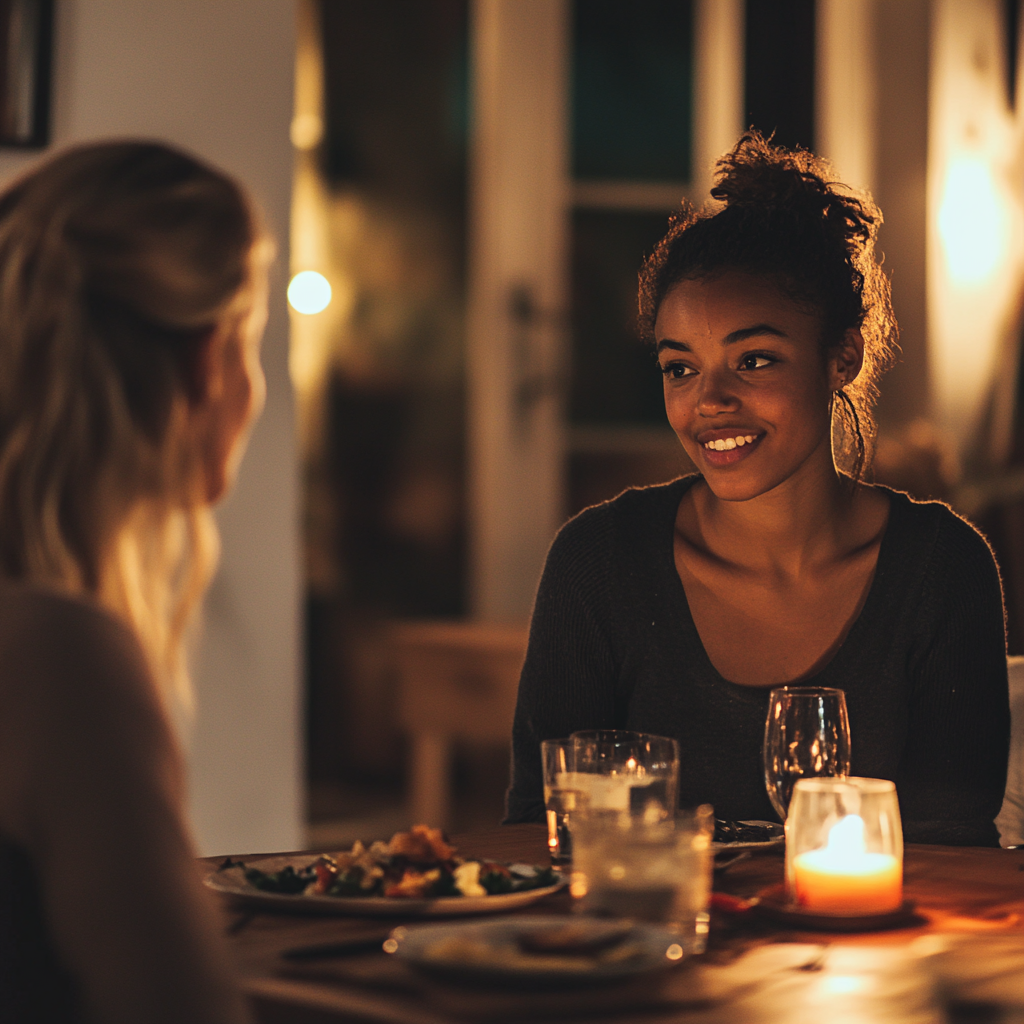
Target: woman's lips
{"type": "Point", "coordinates": [726, 448]}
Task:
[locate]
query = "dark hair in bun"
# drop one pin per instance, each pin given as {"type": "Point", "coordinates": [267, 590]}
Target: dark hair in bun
{"type": "Point", "coordinates": [787, 218]}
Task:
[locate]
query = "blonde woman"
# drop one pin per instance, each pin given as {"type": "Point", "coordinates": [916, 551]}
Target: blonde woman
{"type": "Point", "coordinates": [132, 300]}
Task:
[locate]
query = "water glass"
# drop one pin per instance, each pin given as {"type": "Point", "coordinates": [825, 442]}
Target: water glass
{"type": "Point", "coordinates": [624, 772]}
{"type": "Point", "coordinates": [562, 799]}
{"type": "Point", "coordinates": [635, 867]}
{"type": "Point", "coordinates": [806, 735]}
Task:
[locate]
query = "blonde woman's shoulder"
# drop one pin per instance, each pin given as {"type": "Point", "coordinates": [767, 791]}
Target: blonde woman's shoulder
{"type": "Point", "coordinates": [77, 705]}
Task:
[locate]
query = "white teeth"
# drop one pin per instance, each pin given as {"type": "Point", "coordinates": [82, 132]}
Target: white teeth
{"type": "Point", "coordinates": [728, 443]}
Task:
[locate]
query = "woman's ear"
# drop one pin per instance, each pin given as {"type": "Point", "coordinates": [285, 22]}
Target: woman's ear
{"type": "Point", "coordinates": [846, 359]}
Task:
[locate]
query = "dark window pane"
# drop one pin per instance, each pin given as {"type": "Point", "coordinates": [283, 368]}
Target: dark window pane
{"type": "Point", "coordinates": [780, 70]}
{"type": "Point", "coordinates": [632, 88]}
{"type": "Point", "coordinates": [615, 378]}
{"type": "Point", "coordinates": [396, 95]}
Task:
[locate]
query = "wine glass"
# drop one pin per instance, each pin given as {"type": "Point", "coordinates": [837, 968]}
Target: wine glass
{"type": "Point", "coordinates": [807, 735]}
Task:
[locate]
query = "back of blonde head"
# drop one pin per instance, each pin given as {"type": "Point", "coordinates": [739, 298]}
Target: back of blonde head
{"type": "Point", "coordinates": [117, 261]}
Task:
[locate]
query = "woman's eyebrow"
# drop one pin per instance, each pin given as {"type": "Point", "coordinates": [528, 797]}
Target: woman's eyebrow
{"type": "Point", "coordinates": [749, 332]}
{"type": "Point", "coordinates": [678, 346]}
{"type": "Point", "coordinates": [738, 335]}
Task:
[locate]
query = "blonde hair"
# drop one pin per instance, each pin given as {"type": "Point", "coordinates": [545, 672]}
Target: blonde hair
{"type": "Point", "coordinates": [117, 262]}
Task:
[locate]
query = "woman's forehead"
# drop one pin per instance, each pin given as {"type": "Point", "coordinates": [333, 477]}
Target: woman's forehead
{"type": "Point", "coordinates": [733, 300]}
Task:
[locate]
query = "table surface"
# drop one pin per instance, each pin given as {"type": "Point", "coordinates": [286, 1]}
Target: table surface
{"type": "Point", "coordinates": [967, 943]}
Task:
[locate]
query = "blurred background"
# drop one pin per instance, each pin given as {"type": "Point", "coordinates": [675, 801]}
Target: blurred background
{"type": "Point", "coordinates": [476, 184]}
{"type": "Point", "coordinates": [462, 192]}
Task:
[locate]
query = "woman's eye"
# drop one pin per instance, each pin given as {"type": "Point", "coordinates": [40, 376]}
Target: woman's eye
{"type": "Point", "coordinates": [755, 361]}
{"type": "Point", "coordinates": [677, 371]}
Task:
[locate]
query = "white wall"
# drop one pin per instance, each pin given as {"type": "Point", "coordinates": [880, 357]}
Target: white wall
{"type": "Point", "coordinates": [518, 222]}
{"type": "Point", "coordinates": [216, 77]}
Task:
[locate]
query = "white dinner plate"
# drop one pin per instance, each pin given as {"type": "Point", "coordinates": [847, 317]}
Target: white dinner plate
{"type": "Point", "coordinates": [231, 882]}
{"type": "Point", "coordinates": [489, 951]}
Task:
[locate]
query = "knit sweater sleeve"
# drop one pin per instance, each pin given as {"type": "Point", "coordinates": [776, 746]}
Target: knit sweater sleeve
{"type": "Point", "coordinates": [568, 678]}
{"type": "Point", "coordinates": [953, 769]}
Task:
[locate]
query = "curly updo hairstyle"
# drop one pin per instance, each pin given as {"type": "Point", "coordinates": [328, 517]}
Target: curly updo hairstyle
{"type": "Point", "coordinates": [786, 218]}
{"type": "Point", "coordinates": [117, 261]}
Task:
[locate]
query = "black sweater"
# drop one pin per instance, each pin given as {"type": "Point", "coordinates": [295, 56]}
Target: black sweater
{"type": "Point", "coordinates": [613, 645]}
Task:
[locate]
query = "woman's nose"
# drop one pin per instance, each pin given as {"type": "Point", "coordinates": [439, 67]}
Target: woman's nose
{"type": "Point", "coordinates": [715, 395]}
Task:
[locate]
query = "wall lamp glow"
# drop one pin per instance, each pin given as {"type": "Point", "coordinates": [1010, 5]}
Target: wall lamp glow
{"type": "Point", "coordinates": [972, 221]}
{"type": "Point", "coordinates": [309, 292]}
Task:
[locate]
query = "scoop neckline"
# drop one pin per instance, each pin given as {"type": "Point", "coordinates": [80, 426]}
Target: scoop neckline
{"type": "Point", "coordinates": [858, 626]}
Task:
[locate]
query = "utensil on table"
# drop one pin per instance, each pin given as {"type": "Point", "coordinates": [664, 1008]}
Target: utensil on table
{"type": "Point", "coordinates": [359, 942]}
{"type": "Point", "coordinates": [806, 735]}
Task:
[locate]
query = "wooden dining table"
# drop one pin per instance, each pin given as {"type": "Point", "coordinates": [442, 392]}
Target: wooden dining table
{"type": "Point", "coordinates": [960, 957]}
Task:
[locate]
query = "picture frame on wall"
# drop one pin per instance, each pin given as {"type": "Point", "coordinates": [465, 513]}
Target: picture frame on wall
{"type": "Point", "coordinates": [26, 59]}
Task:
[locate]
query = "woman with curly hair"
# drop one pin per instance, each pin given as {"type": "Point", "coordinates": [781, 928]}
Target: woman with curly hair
{"type": "Point", "coordinates": [674, 609]}
{"type": "Point", "coordinates": [132, 300]}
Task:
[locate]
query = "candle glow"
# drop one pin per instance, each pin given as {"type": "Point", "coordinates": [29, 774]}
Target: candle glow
{"type": "Point", "coordinates": [843, 878]}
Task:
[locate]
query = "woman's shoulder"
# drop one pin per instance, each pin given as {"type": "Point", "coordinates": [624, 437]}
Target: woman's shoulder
{"type": "Point", "coordinates": [932, 533]}
{"type": "Point", "coordinates": [632, 529]}
{"type": "Point", "coordinates": [633, 508]}
{"type": "Point", "coordinates": [50, 624]}
{"type": "Point", "coordinates": [61, 650]}
{"type": "Point", "coordinates": [78, 704]}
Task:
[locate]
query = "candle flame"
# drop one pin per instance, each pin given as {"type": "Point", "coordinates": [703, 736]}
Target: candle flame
{"type": "Point", "coordinates": [631, 764]}
{"type": "Point", "coordinates": [846, 837]}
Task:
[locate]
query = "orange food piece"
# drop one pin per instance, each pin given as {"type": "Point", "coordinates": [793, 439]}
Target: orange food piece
{"type": "Point", "coordinates": [421, 845]}
{"type": "Point", "coordinates": [412, 885]}
{"type": "Point", "coordinates": [325, 875]}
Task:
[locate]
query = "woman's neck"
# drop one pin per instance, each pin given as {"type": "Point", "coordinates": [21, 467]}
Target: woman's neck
{"type": "Point", "coordinates": [806, 520]}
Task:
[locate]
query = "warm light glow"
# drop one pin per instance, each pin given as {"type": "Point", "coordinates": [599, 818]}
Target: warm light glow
{"type": "Point", "coordinates": [309, 292]}
{"type": "Point", "coordinates": [631, 764]}
{"type": "Point", "coordinates": [972, 221]}
{"type": "Point", "coordinates": [307, 130]}
{"type": "Point", "coordinates": [845, 984]}
{"type": "Point", "coordinates": [844, 878]}
{"type": "Point", "coordinates": [674, 952]}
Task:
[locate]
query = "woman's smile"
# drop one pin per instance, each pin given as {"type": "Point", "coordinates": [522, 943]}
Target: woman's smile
{"type": "Point", "coordinates": [727, 447]}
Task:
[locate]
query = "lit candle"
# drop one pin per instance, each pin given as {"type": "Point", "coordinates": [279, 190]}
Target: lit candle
{"type": "Point", "coordinates": [844, 878]}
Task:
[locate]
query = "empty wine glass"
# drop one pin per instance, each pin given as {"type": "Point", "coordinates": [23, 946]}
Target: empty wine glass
{"type": "Point", "coordinates": [807, 735]}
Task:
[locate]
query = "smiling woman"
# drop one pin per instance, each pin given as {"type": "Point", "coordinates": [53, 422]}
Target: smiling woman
{"type": "Point", "coordinates": [674, 609]}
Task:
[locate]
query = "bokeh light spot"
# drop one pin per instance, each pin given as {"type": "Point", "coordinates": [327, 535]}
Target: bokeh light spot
{"type": "Point", "coordinates": [309, 292]}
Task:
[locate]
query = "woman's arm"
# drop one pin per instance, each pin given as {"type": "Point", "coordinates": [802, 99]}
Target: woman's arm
{"type": "Point", "coordinates": [97, 806]}
{"type": "Point", "coordinates": [568, 678]}
{"type": "Point", "coordinates": [953, 770]}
